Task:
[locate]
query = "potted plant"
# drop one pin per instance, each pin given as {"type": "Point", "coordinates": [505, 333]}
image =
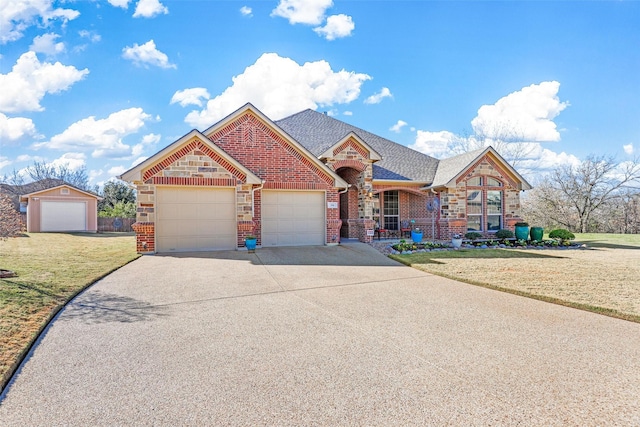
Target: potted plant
{"type": "Point", "coordinates": [250, 242]}
{"type": "Point", "coordinates": [536, 234]}
{"type": "Point", "coordinates": [456, 241]}
{"type": "Point", "coordinates": [416, 235]}
{"type": "Point", "coordinates": [522, 230]}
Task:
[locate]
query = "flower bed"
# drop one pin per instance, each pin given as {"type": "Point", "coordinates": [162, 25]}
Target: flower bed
{"type": "Point", "coordinates": [404, 247]}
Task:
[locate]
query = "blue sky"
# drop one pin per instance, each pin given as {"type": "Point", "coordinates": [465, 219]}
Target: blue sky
{"type": "Point", "coordinates": [104, 84]}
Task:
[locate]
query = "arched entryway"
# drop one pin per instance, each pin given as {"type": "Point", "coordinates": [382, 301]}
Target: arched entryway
{"type": "Point", "coordinates": [349, 203]}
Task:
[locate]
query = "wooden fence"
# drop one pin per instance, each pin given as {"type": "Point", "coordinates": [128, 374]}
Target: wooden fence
{"type": "Point", "coordinates": [115, 224]}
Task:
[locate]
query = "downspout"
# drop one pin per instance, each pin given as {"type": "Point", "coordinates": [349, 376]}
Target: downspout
{"type": "Point", "coordinates": [345, 190]}
{"type": "Point", "coordinates": [434, 215]}
{"type": "Point", "coordinates": [253, 199]}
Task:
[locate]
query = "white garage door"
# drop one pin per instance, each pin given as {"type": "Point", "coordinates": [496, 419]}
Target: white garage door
{"type": "Point", "coordinates": [195, 219]}
{"type": "Point", "coordinates": [63, 216]}
{"type": "Point", "coordinates": [293, 218]}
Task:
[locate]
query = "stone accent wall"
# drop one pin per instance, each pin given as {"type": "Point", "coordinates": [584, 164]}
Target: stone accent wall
{"type": "Point", "coordinates": [146, 211]}
{"type": "Point", "coordinates": [453, 202]}
{"type": "Point", "coordinates": [197, 165]}
{"type": "Point", "coordinates": [355, 158]}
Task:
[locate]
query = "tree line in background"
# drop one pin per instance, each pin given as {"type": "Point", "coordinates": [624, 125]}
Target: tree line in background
{"type": "Point", "coordinates": [599, 195]}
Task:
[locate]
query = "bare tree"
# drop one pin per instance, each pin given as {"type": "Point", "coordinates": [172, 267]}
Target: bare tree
{"type": "Point", "coordinates": [44, 176]}
{"type": "Point", "coordinates": [572, 196]}
{"type": "Point", "coordinates": [505, 138]}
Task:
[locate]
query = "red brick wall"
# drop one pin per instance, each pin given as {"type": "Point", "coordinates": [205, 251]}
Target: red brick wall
{"type": "Point", "coordinates": [145, 237]}
{"type": "Point", "coordinates": [268, 155]}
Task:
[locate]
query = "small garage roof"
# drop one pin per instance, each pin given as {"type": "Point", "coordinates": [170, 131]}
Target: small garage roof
{"type": "Point", "coordinates": [25, 197]}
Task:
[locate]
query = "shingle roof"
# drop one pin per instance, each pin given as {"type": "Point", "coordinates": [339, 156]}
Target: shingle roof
{"type": "Point", "coordinates": [317, 132]}
{"type": "Point", "coordinates": [449, 168]}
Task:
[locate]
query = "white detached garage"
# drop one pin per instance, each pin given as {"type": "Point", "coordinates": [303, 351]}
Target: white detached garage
{"type": "Point", "coordinates": [61, 209]}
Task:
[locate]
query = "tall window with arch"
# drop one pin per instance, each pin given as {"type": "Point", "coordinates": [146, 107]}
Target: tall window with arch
{"type": "Point", "coordinates": [484, 204]}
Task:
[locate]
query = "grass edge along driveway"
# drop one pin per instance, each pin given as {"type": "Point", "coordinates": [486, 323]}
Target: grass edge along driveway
{"type": "Point", "coordinates": [603, 279]}
{"type": "Point", "coordinates": [52, 269]}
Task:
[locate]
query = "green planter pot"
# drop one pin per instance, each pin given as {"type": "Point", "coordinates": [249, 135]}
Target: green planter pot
{"type": "Point", "coordinates": [536, 233]}
{"type": "Point", "coordinates": [522, 232]}
{"type": "Point", "coordinates": [416, 236]}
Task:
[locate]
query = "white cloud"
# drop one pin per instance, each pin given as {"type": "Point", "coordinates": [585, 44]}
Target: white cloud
{"type": "Point", "coordinates": [147, 54]}
{"type": "Point", "coordinates": [91, 35]}
{"type": "Point", "coordinates": [72, 161]}
{"type": "Point", "coordinates": [116, 170]}
{"type": "Point", "coordinates": [149, 9]}
{"type": "Point", "coordinates": [337, 26]}
{"type": "Point", "coordinates": [279, 86]}
{"type": "Point", "coordinates": [147, 140]}
{"type": "Point", "coordinates": [436, 144]}
{"type": "Point", "coordinates": [150, 139]}
{"type": "Point", "coordinates": [17, 16]}
{"type": "Point", "coordinates": [348, 113]}
{"type": "Point", "coordinates": [15, 128]}
{"type": "Point", "coordinates": [46, 44]}
{"type": "Point", "coordinates": [103, 136]}
{"type": "Point", "coordinates": [139, 160]}
{"type": "Point", "coordinates": [378, 97]}
{"type": "Point", "coordinates": [246, 11]}
{"type": "Point", "coordinates": [4, 162]}
{"type": "Point", "coordinates": [29, 80]}
{"type": "Point", "coordinates": [540, 159]}
{"type": "Point", "coordinates": [191, 96]}
{"type": "Point", "coordinates": [119, 3]}
{"type": "Point", "coordinates": [525, 115]}
{"type": "Point", "coordinates": [628, 148]}
{"type": "Point", "coordinates": [398, 126]}
{"type": "Point", "coordinates": [310, 12]}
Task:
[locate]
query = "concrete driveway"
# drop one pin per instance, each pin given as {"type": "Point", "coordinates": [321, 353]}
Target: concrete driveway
{"type": "Point", "coordinates": [320, 336]}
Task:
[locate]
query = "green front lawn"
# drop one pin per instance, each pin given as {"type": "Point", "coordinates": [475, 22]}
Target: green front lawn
{"type": "Point", "coordinates": [52, 268]}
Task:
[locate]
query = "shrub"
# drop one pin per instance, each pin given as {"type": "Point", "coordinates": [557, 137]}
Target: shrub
{"type": "Point", "coordinates": [561, 234]}
{"type": "Point", "coordinates": [473, 235]}
{"type": "Point", "coordinates": [522, 224]}
{"type": "Point", "coordinates": [504, 234]}
{"type": "Point", "coordinates": [10, 221]}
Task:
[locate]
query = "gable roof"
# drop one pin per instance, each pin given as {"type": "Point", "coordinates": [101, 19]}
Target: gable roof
{"type": "Point", "coordinates": [24, 197]}
{"type": "Point", "coordinates": [373, 154]}
{"type": "Point", "coordinates": [449, 170]}
{"type": "Point", "coordinates": [338, 182]}
{"type": "Point", "coordinates": [135, 173]}
{"type": "Point", "coordinates": [319, 132]}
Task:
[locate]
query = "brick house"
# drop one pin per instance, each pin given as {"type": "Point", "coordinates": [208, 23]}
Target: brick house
{"type": "Point", "coordinates": [310, 179]}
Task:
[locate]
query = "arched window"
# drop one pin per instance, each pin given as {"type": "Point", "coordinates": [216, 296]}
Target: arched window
{"type": "Point", "coordinates": [484, 204]}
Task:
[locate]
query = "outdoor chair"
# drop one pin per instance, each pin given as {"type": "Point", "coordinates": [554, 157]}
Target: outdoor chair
{"type": "Point", "coordinates": [405, 229]}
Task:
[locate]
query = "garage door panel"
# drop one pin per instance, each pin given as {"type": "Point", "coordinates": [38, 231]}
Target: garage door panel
{"type": "Point", "coordinates": [63, 216]}
{"type": "Point", "coordinates": [293, 218]}
{"type": "Point", "coordinates": [196, 219]}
